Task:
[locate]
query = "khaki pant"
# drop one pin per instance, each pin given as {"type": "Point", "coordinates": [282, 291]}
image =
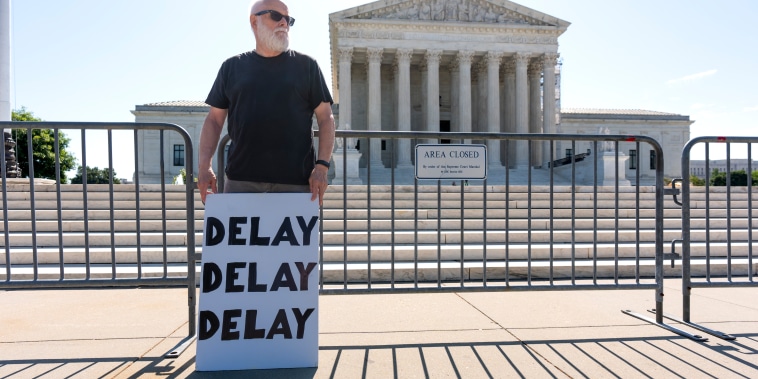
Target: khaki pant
{"type": "Point", "coordinates": [239, 186]}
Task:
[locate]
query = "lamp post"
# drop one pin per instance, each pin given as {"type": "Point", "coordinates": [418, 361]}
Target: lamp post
{"type": "Point", "coordinates": [5, 87]}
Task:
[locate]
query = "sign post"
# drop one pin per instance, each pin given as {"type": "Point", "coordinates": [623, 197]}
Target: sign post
{"type": "Point", "coordinates": [258, 303]}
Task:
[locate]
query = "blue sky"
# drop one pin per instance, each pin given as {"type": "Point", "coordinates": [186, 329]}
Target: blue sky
{"type": "Point", "coordinates": [95, 60]}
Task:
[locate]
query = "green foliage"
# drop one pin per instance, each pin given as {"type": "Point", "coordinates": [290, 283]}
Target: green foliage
{"type": "Point", "coordinates": [43, 148]}
{"type": "Point", "coordinates": [95, 176]}
{"type": "Point", "coordinates": [696, 181]}
{"type": "Point", "coordinates": [737, 178]}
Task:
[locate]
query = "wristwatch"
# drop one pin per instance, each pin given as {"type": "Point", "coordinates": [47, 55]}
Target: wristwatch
{"type": "Point", "coordinates": [323, 163]}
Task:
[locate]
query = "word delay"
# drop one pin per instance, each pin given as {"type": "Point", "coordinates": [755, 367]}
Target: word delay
{"type": "Point", "coordinates": [215, 232]}
{"type": "Point", "coordinates": [210, 324]}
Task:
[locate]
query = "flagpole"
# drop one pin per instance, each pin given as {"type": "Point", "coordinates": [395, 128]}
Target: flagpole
{"type": "Point", "coordinates": [5, 86]}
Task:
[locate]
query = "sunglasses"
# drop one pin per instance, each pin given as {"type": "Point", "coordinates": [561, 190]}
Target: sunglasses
{"type": "Point", "coordinates": [276, 16]}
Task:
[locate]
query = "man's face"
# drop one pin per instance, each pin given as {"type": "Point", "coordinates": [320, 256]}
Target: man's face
{"type": "Point", "coordinates": [274, 37]}
{"type": "Point", "coordinates": [272, 34]}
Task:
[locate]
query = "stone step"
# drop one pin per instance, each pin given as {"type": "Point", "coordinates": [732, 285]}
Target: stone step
{"type": "Point", "coordinates": [338, 274]}
{"type": "Point", "coordinates": [100, 204]}
{"type": "Point", "coordinates": [385, 213]}
{"type": "Point", "coordinates": [400, 224]}
{"type": "Point", "coordinates": [101, 214]}
{"type": "Point", "coordinates": [400, 213]}
{"type": "Point", "coordinates": [93, 195]}
{"type": "Point", "coordinates": [179, 238]}
{"type": "Point", "coordinates": [398, 202]}
{"type": "Point", "coordinates": [384, 253]}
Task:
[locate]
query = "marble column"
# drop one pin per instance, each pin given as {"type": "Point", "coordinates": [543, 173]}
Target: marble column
{"type": "Point", "coordinates": [403, 57]}
{"type": "Point", "coordinates": [432, 90]}
{"type": "Point", "coordinates": [346, 158]}
{"type": "Point", "coordinates": [522, 110]}
{"type": "Point", "coordinates": [535, 108]}
{"type": "Point", "coordinates": [455, 75]}
{"type": "Point", "coordinates": [464, 59]}
{"type": "Point", "coordinates": [345, 90]}
{"type": "Point", "coordinates": [481, 97]}
{"type": "Point", "coordinates": [424, 105]}
{"type": "Point", "coordinates": [493, 105]}
{"type": "Point", "coordinates": [510, 107]}
{"type": "Point", "coordinates": [549, 61]}
{"type": "Point", "coordinates": [374, 56]}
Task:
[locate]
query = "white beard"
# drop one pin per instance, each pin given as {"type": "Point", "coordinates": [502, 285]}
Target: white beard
{"type": "Point", "coordinates": [272, 40]}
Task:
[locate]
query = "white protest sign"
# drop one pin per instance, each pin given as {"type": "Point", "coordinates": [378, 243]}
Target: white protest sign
{"type": "Point", "coordinates": [258, 304]}
{"type": "Point", "coordinates": [451, 161]}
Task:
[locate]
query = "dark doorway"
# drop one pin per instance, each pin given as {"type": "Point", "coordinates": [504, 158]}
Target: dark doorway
{"type": "Point", "coordinates": [445, 128]}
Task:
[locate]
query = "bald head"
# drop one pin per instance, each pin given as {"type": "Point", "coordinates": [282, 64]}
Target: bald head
{"type": "Point", "coordinates": [271, 37]}
{"type": "Point", "coordinates": [262, 5]}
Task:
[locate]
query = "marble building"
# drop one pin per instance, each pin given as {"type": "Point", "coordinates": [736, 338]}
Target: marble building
{"type": "Point", "coordinates": [445, 65]}
{"type": "Point", "coordinates": [449, 66]}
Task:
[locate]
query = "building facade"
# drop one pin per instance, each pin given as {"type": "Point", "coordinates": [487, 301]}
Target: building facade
{"type": "Point", "coordinates": [445, 66]}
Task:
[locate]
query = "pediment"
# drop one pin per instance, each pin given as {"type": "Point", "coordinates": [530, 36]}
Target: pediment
{"type": "Point", "coordinates": [501, 12]}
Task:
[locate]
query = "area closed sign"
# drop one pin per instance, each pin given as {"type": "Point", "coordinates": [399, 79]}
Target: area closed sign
{"type": "Point", "coordinates": [446, 161]}
{"type": "Point", "coordinates": [258, 306]}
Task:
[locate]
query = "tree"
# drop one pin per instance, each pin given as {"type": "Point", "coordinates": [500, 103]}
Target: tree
{"type": "Point", "coordinates": [696, 181]}
{"type": "Point", "coordinates": [95, 176]}
{"type": "Point", "coordinates": [738, 178]}
{"type": "Point", "coordinates": [43, 149]}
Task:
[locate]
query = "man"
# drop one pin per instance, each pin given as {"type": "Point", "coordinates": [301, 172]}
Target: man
{"type": "Point", "coordinates": [269, 96]}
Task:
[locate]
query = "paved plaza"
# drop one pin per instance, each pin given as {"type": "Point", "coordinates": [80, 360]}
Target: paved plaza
{"type": "Point", "coordinates": [123, 333]}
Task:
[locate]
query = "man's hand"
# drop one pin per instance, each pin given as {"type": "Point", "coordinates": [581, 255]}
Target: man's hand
{"type": "Point", "coordinates": [206, 183]}
{"type": "Point", "coordinates": [318, 182]}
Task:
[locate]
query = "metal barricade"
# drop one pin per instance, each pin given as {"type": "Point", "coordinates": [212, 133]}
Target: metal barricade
{"type": "Point", "coordinates": [560, 227]}
{"type": "Point", "coordinates": [717, 251]}
{"type": "Point", "coordinates": [95, 236]}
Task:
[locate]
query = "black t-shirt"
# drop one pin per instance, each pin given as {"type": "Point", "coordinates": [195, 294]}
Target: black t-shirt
{"type": "Point", "coordinates": [270, 103]}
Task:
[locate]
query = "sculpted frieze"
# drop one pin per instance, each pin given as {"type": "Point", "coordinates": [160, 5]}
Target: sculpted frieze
{"type": "Point", "coordinates": [479, 11]}
{"type": "Point", "coordinates": [520, 38]}
{"type": "Point", "coordinates": [370, 34]}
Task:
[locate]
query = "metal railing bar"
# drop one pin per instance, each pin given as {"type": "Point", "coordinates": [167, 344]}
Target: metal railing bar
{"type": "Point", "coordinates": [415, 232]}
{"type": "Point", "coordinates": [163, 201]}
{"type": "Point", "coordinates": [507, 215]}
{"type": "Point", "coordinates": [616, 218]}
{"type": "Point", "coordinates": [637, 173]}
{"type": "Point", "coordinates": [471, 288]}
{"type": "Point", "coordinates": [439, 233]}
{"type": "Point", "coordinates": [110, 197]}
{"type": "Point", "coordinates": [463, 217]}
{"type": "Point", "coordinates": [573, 212]}
{"type": "Point", "coordinates": [32, 201]}
{"type": "Point", "coordinates": [344, 209]}
{"type": "Point", "coordinates": [658, 227]}
{"type": "Point", "coordinates": [529, 213]}
{"type": "Point", "coordinates": [392, 214]}
{"type": "Point", "coordinates": [750, 209]}
{"type": "Point", "coordinates": [594, 210]}
{"type": "Point", "coordinates": [368, 206]}
{"type": "Point", "coordinates": [85, 204]}
{"type": "Point", "coordinates": [729, 210]}
{"type": "Point", "coordinates": [137, 222]}
{"type": "Point", "coordinates": [552, 212]}
{"type": "Point", "coordinates": [6, 232]}
{"type": "Point", "coordinates": [59, 206]}
{"type": "Point", "coordinates": [707, 217]}
{"type": "Point", "coordinates": [484, 232]}
{"type": "Point", "coordinates": [189, 196]}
